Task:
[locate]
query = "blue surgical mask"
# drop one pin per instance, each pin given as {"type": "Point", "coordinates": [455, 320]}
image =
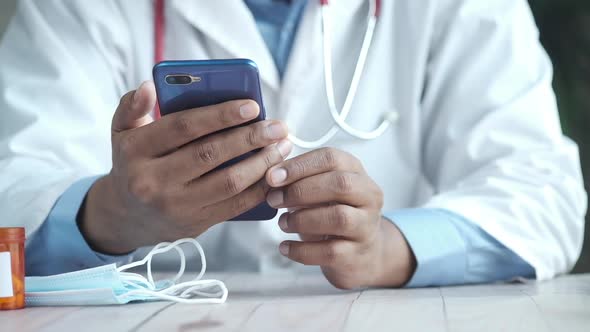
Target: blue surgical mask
{"type": "Point", "coordinates": [110, 284]}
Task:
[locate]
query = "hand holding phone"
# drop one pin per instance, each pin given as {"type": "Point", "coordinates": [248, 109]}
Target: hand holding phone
{"type": "Point", "coordinates": [162, 185]}
{"type": "Point", "coordinates": [183, 85]}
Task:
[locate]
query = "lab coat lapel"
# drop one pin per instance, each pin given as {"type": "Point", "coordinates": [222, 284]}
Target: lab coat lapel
{"type": "Point", "coordinates": [231, 25]}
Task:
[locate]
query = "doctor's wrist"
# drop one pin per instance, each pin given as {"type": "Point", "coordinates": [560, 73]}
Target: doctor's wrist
{"type": "Point", "coordinates": [101, 220]}
{"type": "Point", "coordinates": [397, 262]}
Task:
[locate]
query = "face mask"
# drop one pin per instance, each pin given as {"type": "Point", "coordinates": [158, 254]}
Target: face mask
{"type": "Point", "coordinates": [111, 285]}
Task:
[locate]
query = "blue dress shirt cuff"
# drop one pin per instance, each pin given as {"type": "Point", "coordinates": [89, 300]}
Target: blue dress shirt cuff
{"type": "Point", "coordinates": [59, 246]}
{"type": "Point", "coordinates": [439, 248]}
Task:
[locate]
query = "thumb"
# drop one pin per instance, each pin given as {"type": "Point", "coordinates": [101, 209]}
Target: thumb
{"type": "Point", "coordinates": [135, 107]}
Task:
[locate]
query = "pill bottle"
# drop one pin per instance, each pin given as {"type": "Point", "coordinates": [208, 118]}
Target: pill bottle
{"type": "Point", "coordinates": [12, 268]}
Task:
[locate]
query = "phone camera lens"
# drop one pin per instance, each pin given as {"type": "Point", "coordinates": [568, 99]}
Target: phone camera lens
{"type": "Point", "coordinates": [178, 79]}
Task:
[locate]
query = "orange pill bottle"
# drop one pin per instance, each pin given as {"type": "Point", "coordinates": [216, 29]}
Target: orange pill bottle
{"type": "Point", "coordinates": [12, 268]}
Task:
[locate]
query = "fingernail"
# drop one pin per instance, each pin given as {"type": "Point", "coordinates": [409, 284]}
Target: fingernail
{"type": "Point", "coordinates": [283, 222]}
{"type": "Point", "coordinates": [285, 147]}
{"type": "Point", "coordinates": [136, 98]}
{"type": "Point", "coordinates": [276, 131]}
{"type": "Point", "coordinates": [248, 110]}
{"type": "Point", "coordinates": [275, 198]}
{"type": "Point", "coordinates": [278, 175]}
{"type": "Point", "coordinates": [284, 249]}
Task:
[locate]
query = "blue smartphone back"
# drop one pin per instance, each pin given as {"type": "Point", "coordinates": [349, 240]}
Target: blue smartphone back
{"type": "Point", "coordinates": [213, 82]}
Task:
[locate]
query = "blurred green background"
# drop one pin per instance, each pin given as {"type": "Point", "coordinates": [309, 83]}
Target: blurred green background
{"type": "Point", "coordinates": [565, 33]}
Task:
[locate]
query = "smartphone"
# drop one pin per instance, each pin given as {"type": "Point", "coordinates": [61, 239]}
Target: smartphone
{"type": "Point", "coordinates": [182, 85]}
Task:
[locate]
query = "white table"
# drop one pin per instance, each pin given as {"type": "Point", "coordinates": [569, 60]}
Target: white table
{"type": "Point", "coordinates": [309, 303]}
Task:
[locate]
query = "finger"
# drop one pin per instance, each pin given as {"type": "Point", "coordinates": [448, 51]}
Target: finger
{"type": "Point", "coordinates": [177, 129]}
{"type": "Point", "coordinates": [312, 163]}
{"type": "Point", "coordinates": [340, 187]}
{"type": "Point", "coordinates": [199, 157]}
{"type": "Point", "coordinates": [324, 253]}
{"type": "Point", "coordinates": [134, 108]}
{"type": "Point", "coordinates": [305, 237]}
{"type": "Point", "coordinates": [231, 181]}
{"type": "Point", "coordinates": [238, 204]}
{"type": "Point", "coordinates": [335, 220]}
{"type": "Point", "coordinates": [312, 238]}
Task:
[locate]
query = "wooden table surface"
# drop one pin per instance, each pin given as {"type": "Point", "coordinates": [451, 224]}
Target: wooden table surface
{"type": "Point", "coordinates": [309, 303]}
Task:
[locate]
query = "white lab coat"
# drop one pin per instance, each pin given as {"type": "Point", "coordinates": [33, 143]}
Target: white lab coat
{"type": "Point", "coordinates": [478, 132]}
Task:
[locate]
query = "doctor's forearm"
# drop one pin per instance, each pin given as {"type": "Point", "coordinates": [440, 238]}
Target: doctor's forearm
{"type": "Point", "coordinates": [60, 237]}
{"type": "Point", "coordinates": [451, 250]}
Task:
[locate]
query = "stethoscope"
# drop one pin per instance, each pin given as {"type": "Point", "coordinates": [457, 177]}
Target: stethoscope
{"type": "Point", "coordinates": [339, 117]}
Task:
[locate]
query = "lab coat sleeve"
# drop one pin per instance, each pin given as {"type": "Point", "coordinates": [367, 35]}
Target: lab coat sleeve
{"type": "Point", "coordinates": [450, 250]}
{"type": "Point", "coordinates": [493, 148]}
{"type": "Point", "coordinates": [61, 76]}
{"type": "Point", "coordinates": [59, 237]}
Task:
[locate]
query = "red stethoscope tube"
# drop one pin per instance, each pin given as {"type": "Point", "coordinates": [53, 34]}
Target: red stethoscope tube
{"type": "Point", "coordinates": [159, 24]}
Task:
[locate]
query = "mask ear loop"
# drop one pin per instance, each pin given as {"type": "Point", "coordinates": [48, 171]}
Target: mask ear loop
{"type": "Point", "coordinates": [191, 288]}
{"type": "Point", "coordinates": [139, 281]}
{"type": "Point", "coordinates": [182, 292]}
{"type": "Point", "coordinates": [163, 250]}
